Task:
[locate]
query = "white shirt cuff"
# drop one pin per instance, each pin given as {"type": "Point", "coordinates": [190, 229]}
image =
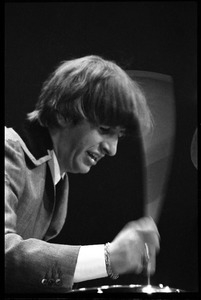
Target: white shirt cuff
{"type": "Point", "coordinates": [90, 263]}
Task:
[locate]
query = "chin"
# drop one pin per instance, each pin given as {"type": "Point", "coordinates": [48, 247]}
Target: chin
{"type": "Point", "coordinates": [81, 170]}
{"type": "Point", "coordinates": [84, 171]}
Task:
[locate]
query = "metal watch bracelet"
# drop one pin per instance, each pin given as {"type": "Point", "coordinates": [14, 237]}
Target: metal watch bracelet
{"type": "Point", "coordinates": [108, 262]}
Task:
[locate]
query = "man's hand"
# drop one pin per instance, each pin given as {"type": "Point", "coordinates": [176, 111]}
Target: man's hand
{"type": "Point", "coordinates": [128, 251]}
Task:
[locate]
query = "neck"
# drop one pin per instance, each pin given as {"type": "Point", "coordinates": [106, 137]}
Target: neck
{"type": "Point", "coordinates": [55, 135]}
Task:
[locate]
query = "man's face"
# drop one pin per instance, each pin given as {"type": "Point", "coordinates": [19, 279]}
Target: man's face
{"type": "Point", "coordinates": [80, 147]}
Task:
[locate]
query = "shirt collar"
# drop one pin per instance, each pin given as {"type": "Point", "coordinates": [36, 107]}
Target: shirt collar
{"type": "Point", "coordinates": [54, 167]}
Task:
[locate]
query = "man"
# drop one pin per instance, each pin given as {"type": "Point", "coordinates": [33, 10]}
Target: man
{"type": "Point", "coordinates": [84, 108]}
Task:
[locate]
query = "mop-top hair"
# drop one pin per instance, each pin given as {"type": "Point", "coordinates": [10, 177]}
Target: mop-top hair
{"type": "Point", "coordinates": [94, 89]}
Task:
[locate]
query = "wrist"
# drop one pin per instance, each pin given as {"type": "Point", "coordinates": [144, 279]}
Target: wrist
{"type": "Point", "coordinates": [108, 265]}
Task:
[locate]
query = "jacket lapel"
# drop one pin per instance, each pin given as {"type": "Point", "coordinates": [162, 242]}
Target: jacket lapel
{"type": "Point", "coordinates": [35, 140]}
{"type": "Point", "coordinates": [60, 209]}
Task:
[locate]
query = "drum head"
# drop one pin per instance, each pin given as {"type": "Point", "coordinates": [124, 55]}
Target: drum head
{"type": "Point", "coordinates": [132, 288]}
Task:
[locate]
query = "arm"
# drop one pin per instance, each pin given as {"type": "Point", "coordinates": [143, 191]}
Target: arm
{"type": "Point", "coordinates": [32, 265]}
{"type": "Point", "coordinates": [42, 267]}
{"type": "Point", "coordinates": [126, 253]}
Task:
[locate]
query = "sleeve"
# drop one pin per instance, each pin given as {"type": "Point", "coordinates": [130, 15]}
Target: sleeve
{"type": "Point", "coordinates": [90, 264]}
{"type": "Point", "coordinates": [31, 265]}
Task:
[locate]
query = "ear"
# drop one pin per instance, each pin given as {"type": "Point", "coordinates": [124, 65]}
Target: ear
{"type": "Point", "coordinates": [61, 120]}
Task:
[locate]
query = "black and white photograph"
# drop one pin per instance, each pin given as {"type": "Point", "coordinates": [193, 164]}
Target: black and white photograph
{"type": "Point", "coordinates": [101, 138]}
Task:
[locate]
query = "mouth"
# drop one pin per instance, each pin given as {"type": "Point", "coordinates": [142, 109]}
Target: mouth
{"type": "Point", "coordinates": [94, 158]}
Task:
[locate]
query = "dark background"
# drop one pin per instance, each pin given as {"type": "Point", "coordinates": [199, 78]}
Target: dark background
{"type": "Point", "coordinates": [153, 36]}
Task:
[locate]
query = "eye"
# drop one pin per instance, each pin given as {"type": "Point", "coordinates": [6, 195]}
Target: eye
{"type": "Point", "coordinates": [122, 134]}
{"type": "Point", "coordinates": [105, 129]}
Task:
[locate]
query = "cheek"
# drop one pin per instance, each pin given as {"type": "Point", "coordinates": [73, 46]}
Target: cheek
{"type": "Point", "coordinates": [90, 140]}
{"type": "Point", "coordinates": [84, 138]}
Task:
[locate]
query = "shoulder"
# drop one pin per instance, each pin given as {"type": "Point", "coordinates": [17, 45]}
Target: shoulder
{"type": "Point", "coordinates": [16, 145]}
{"type": "Point", "coordinates": [12, 143]}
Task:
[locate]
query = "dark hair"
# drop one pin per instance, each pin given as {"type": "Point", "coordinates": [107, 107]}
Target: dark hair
{"type": "Point", "coordinates": [95, 89]}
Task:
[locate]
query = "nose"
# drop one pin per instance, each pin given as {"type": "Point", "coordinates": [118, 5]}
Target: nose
{"type": "Point", "coordinates": [109, 145]}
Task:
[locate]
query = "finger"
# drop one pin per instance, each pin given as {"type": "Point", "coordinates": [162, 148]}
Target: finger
{"type": "Point", "coordinates": [137, 257]}
{"type": "Point", "coordinates": [144, 224]}
{"type": "Point", "coordinates": [151, 238]}
{"type": "Point", "coordinates": [139, 264]}
{"type": "Point", "coordinates": [147, 224]}
{"type": "Point", "coordinates": [139, 268]}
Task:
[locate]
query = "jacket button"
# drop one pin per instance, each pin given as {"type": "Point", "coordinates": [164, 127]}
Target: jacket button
{"type": "Point", "coordinates": [44, 281]}
{"type": "Point", "coordinates": [58, 282]}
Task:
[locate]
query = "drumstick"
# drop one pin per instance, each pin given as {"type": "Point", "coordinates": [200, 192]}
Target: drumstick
{"type": "Point", "coordinates": [147, 261]}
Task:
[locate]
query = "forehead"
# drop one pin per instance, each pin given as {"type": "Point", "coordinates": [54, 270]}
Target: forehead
{"type": "Point", "coordinates": [86, 125]}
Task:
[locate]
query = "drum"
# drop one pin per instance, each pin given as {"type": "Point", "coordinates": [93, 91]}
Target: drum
{"type": "Point", "coordinates": [132, 288]}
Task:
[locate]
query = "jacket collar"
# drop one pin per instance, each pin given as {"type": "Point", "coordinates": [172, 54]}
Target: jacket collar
{"type": "Point", "coordinates": [36, 141]}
